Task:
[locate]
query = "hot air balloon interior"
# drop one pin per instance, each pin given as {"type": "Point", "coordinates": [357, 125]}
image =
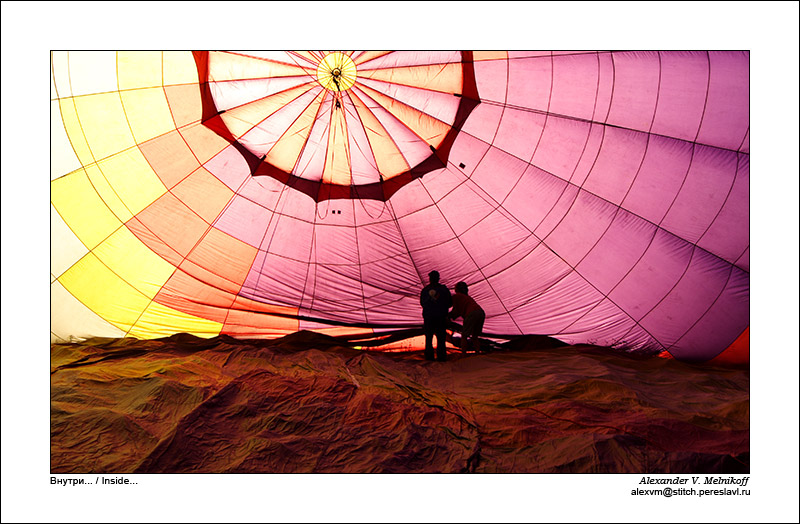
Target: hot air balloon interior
{"type": "Point", "coordinates": [240, 242]}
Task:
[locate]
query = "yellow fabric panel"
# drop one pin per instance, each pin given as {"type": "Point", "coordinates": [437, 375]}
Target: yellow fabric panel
{"type": "Point", "coordinates": [162, 321]}
{"type": "Point", "coordinates": [104, 124]}
{"type": "Point", "coordinates": [445, 78]}
{"type": "Point", "coordinates": [286, 151]}
{"type": "Point", "coordinates": [179, 68]}
{"type": "Point", "coordinates": [72, 126]}
{"type": "Point", "coordinates": [132, 179]}
{"type": "Point", "coordinates": [148, 113]}
{"type": "Point", "coordinates": [82, 209]}
{"type": "Point", "coordinates": [489, 55]}
{"type": "Point", "coordinates": [137, 69]}
{"type": "Point", "coordinates": [107, 193]}
{"type": "Point", "coordinates": [103, 292]}
{"type": "Point", "coordinates": [134, 262]}
{"type": "Point", "coordinates": [243, 118]}
{"type": "Point", "coordinates": [238, 67]}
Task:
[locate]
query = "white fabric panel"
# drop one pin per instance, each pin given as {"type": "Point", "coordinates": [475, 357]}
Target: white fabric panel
{"type": "Point", "coordinates": [65, 248]}
{"type": "Point", "coordinates": [63, 159]}
{"type": "Point", "coordinates": [70, 320]}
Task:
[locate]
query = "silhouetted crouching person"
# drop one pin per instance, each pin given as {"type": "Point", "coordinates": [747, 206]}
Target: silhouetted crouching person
{"type": "Point", "coordinates": [435, 300]}
{"type": "Point", "coordinates": [474, 317]}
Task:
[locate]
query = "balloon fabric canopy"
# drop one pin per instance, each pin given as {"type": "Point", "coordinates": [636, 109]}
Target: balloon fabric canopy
{"type": "Point", "coordinates": [595, 197]}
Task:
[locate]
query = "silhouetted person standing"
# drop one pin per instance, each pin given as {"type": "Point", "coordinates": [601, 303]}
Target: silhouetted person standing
{"type": "Point", "coordinates": [474, 317]}
{"type": "Point", "coordinates": [435, 300]}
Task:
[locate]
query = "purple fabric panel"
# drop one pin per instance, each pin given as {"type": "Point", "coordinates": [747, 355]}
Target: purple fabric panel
{"type": "Point", "coordinates": [395, 275]}
{"type": "Point", "coordinates": [743, 261]}
{"type": "Point", "coordinates": [688, 301]}
{"type": "Point", "coordinates": [276, 280]}
{"type": "Point", "coordinates": [702, 194]}
{"type": "Point", "coordinates": [653, 276]}
{"type": "Point", "coordinates": [588, 158]}
{"type": "Point", "coordinates": [617, 251]}
{"type": "Point", "coordinates": [244, 220]}
{"type": "Point", "coordinates": [497, 173]}
{"type": "Point", "coordinates": [665, 165]}
{"type": "Point", "coordinates": [334, 245]}
{"type": "Point", "coordinates": [425, 228]}
{"type": "Point", "coordinates": [506, 258]}
{"type": "Point", "coordinates": [519, 132]}
{"type": "Point", "coordinates": [529, 277]}
{"type": "Point", "coordinates": [493, 236]}
{"type": "Point", "coordinates": [581, 228]}
{"type": "Point", "coordinates": [411, 58]}
{"type": "Point", "coordinates": [380, 241]}
{"type": "Point", "coordinates": [605, 325]}
{"type": "Point", "coordinates": [746, 144]}
{"type": "Point", "coordinates": [553, 216]}
{"type": "Point", "coordinates": [562, 305]}
{"type": "Point", "coordinates": [636, 77]}
{"type": "Point", "coordinates": [617, 164]}
{"type": "Point", "coordinates": [450, 259]}
{"type": "Point", "coordinates": [335, 293]}
{"type": "Point", "coordinates": [682, 97]}
{"type": "Point", "coordinates": [229, 167]}
{"type": "Point", "coordinates": [721, 325]}
{"type": "Point", "coordinates": [491, 78]}
{"type": "Point", "coordinates": [727, 115]}
{"type": "Point", "coordinates": [575, 81]}
{"type": "Point", "coordinates": [289, 238]}
{"type": "Point", "coordinates": [530, 83]}
{"type": "Point", "coordinates": [533, 198]}
{"type": "Point", "coordinates": [562, 146]}
{"type": "Point", "coordinates": [464, 207]}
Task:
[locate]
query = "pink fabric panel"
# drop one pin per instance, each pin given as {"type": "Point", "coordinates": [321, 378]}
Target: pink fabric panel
{"type": "Point", "coordinates": [617, 164]}
{"type": "Point", "coordinates": [617, 251]}
{"type": "Point", "coordinates": [636, 79]}
{"type": "Point", "coordinates": [575, 83]}
{"type": "Point", "coordinates": [531, 276]}
{"type": "Point", "coordinates": [533, 198]}
{"type": "Point", "coordinates": [519, 132]}
{"type": "Point", "coordinates": [702, 194]}
{"type": "Point", "coordinates": [726, 122]}
{"type": "Point", "coordinates": [654, 276]}
{"type": "Point", "coordinates": [682, 97]}
{"type": "Point", "coordinates": [568, 300]}
{"type": "Point", "coordinates": [562, 146]}
{"type": "Point", "coordinates": [497, 174]}
{"type": "Point", "coordinates": [659, 179]}
{"type": "Point", "coordinates": [577, 233]}
{"type": "Point", "coordinates": [530, 83]}
{"type": "Point", "coordinates": [229, 167]}
{"type": "Point", "coordinates": [491, 77]}
{"type": "Point", "coordinates": [716, 330]}
{"type": "Point", "coordinates": [244, 220]}
{"type": "Point", "coordinates": [698, 289]}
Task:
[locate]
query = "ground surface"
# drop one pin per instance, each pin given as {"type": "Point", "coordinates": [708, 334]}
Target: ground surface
{"type": "Point", "coordinates": [306, 404]}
